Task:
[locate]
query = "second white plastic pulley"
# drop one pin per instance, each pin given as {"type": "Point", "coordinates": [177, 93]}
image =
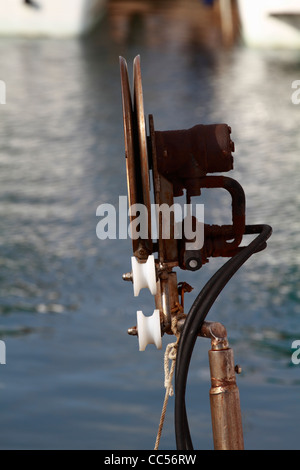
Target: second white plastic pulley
{"type": "Point", "coordinates": [143, 275]}
{"type": "Point", "coordinates": [149, 331]}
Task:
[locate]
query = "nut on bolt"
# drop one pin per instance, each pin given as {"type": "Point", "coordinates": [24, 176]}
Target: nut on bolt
{"type": "Point", "coordinates": [127, 277]}
{"type": "Point", "coordinates": [132, 331]}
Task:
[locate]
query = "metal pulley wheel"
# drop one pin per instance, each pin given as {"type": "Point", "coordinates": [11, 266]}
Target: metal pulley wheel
{"type": "Point", "coordinates": [137, 166]}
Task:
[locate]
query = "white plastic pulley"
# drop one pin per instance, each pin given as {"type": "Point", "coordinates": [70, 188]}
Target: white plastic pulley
{"type": "Point", "coordinates": [149, 331]}
{"type": "Point", "coordinates": [143, 275]}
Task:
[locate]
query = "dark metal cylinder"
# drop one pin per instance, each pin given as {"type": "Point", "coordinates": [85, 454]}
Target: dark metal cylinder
{"type": "Point", "coordinates": [185, 155]}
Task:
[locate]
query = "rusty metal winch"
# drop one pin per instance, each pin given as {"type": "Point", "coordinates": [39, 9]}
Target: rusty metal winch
{"type": "Point", "coordinates": [177, 163]}
{"type": "Point", "coordinates": [180, 162]}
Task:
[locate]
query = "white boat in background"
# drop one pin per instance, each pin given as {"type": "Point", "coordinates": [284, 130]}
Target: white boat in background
{"type": "Point", "coordinates": [54, 18]}
{"type": "Point", "coordinates": [270, 23]}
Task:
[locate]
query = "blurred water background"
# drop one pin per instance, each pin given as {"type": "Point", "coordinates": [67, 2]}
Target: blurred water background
{"type": "Point", "coordinates": [74, 379]}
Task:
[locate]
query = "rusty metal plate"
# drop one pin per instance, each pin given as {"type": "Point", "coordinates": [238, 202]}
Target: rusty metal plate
{"type": "Point", "coordinates": [137, 168]}
{"type": "Point", "coordinates": [142, 136]}
{"type": "Point", "coordinates": [128, 133]}
{"type": "Point", "coordinates": [130, 146]}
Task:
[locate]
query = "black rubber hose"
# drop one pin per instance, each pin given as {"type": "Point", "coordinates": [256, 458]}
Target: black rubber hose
{"type": "Point", "coordinates": [193, 324]}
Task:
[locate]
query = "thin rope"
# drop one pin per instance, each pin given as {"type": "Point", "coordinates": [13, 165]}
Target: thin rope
{"type": "Point", "coordinates": [170, 355]}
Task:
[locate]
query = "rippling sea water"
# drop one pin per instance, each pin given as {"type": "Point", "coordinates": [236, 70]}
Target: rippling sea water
{"type": "Point", "coordinates": [73, 377]}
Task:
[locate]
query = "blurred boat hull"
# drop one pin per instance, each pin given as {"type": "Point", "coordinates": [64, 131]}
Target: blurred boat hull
{"type": "Point", "coordinates": [270, 23]}
{"type": "Point", "coordinates": [49, 17]}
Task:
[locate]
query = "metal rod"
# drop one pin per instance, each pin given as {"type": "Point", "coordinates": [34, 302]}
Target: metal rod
{"type": "Point", "coordinates": [224, 394]}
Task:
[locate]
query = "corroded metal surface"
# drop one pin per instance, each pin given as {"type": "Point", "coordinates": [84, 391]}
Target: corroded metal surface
{"type": "Point", "coordinates": [225, 401]}
{"type": "Point", "coordinates": [138, 106]}
{"type": "Point", "coordinates": [180, 160]}
{"type": "Point", "coordinates": [137, 185]}
{"type": "Point", "coordinates": [184, 156]}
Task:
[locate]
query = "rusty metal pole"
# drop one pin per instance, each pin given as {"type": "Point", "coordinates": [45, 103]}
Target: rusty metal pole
{"type": "Point", "coordinates": [224, 394]}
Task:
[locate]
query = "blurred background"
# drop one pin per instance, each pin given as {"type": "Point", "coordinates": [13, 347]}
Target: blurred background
{"type": "Point", "coordinates": [73, 377]}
